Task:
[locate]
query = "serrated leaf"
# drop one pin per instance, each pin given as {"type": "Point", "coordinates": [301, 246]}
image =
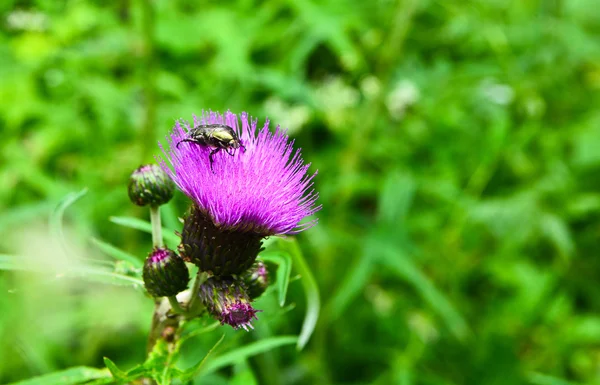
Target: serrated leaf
{"type": "Point", "coordinates": [75, 375]}
{"type": "Point", "coordinates": [243, 353]}
{"type": "Point", "coordinates": [284, 261]}
{"type": "Point", "coordinates": [171, 239]}
{"type": "Point", "coordinates": [117, 253]}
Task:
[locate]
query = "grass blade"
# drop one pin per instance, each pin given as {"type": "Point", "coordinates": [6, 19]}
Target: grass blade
{"type": "Point", "coordinates": [90, 273]}
{"type": "Point", "coordinates": [353, 283]}
{"type": "Point", "coordinates": [75, 375]}
{"type": "Point", "coordinates": [194, 370]}
{"type": "Point", "coordinates": [395, 260]}
{"type": "Point", "coordinates": [311, 290]}
{"type": "Point", "coordinates": [138, 224]}
{"type": "Point", "coordinates": [284, 261]}
{"type": "Point", "coordinates": [241, 354]}
{"type": "Point", "coordinates": [117, 253]}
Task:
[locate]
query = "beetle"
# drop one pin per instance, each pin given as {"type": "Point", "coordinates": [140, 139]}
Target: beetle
{"type": "Point", "coordinates": [218, 136]}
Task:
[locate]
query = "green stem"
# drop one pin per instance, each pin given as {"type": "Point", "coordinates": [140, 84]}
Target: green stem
{"type": "Point", "coordinates": [175, 305]}
{"type": "Point", "coordinates": [157, 240]}
{"type": "Point", "coordinates": [200, 279]}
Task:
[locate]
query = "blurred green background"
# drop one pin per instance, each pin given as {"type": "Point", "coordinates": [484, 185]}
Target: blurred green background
{"type": "Point", "coordinates": [458, 149]}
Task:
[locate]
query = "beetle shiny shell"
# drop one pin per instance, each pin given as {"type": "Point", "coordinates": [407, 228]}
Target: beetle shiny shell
{"type": "Point", "coordinates": [217, 136]}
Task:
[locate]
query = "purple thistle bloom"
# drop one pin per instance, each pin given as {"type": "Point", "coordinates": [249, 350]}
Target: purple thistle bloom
{"type": "Point", "coordinates": [264, 190]}
{"type": "Point", "coordinates": [259, 189]}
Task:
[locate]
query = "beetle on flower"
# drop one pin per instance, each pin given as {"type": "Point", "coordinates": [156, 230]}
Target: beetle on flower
{"type": "Point", "coordinates": [239, 199]}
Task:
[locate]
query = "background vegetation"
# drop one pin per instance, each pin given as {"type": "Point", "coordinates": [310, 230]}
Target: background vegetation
{"type": "Point", "coordinates": [458, 149]}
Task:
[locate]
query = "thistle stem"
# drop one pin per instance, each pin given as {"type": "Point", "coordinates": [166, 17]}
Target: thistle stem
{"type": "Point", "coordinates": [157, 240]}
{"type": "Point", "coordinates": [200, 279]}
{"type": "Point", "coordinates": [175, 305]}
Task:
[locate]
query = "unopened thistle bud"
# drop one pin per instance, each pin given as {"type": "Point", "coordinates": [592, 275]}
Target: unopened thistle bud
{"type": "Point", "coordinates": [165, 273]}
{"type": "Point", "coordinates": [256, 279]}
{"type": "Point", "coordinates": [150, 185]}
{"type": "Point", "coordinates": [227, 300]}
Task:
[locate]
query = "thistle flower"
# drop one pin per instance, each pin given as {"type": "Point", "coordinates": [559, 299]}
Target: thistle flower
{"type": "Point", "coordinates": [165, 273]}
{"type": "Point", "coordinates": [227, 300]}
{"type": "Point", "coordinates": [149, 185]}
{"type": "Point", "coordinates": [246, 194]}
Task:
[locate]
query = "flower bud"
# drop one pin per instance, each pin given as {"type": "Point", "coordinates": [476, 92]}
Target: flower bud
{"type": "Point", "coordinates": [150, 185]}
{"type": "Point", "coordinates": [227, 300]}
{"type": "Point", "coordinates": [165, 273]}
{"type": "Point", "coordinates": [219, 251]}
{"type": "Point", "coordinates": [256, 279]}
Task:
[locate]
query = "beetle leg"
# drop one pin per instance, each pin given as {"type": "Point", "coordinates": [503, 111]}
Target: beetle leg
{"type": "Point", "coordinates": [227, 151]}
{"type": "Point", "coordinates": [242, 146]}
{"type": "Point", "coordinates": [186, 140]}
{"type": "Point", "coordinates": [210, 158]}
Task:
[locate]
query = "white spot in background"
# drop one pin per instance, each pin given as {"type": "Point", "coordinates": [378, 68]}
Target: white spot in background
{"type": "Point", "coordinates": [289, 117]}
{"type": "Point", "coordinates": [403, 95]}
{"type": "Point", "coordinates": [501, 94]}
{"type": "Point", "coordinates": [21, 20]}
{"type": "Point", "coordinates": [370, 86]}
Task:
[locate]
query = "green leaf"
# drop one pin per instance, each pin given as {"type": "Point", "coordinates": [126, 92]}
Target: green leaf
{"type": "Point", "coordinates": [91, 273]}
{"type": "Point", "coordinates": [544, 379]}
{"type": "Point", "coordinates": [138, 224]}
{"type": "Point", "coordinates": [192, 372]}
{"type": "Point", "coordinates": [311, 290]}
{"type": "Point", "coordinates": [284, 261]}
{"type": "Point", "coordinates": [117, 253]}
{"type": "Point", "coordinates": [56, 219]}
{"type": "Point", "coordinates": [125, 376]}
{"type": "Point", "coordinates": [351, 285]}
{"type": "Point", "coordinates": [75, 375]}
{"type": "Point", "coordinates": [243, 375]}
{"type": "Point", "coordinates": [398, 262]}
{"type": "Point", "coordinates": [57, 230]}
{"type": "Point", "coordinates": [117, 373]}
{"type": "Point", "coordinates": [199, 331]}
{"type": "Point", "coordinates": [24, 213]}
{"type": "Point", "coordinates": [241, 354]}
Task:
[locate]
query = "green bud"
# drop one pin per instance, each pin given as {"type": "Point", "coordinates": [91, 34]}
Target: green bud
{"type": "Point", "coordinates": [150, 185]}
{"type": "Point", "coordinates": [256, 279]}
{"type": "Point", "coordinates": [165, 273]}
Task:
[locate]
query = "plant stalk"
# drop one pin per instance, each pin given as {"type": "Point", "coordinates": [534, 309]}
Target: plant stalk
{"type": "Point", "coordinates": [157, 240]}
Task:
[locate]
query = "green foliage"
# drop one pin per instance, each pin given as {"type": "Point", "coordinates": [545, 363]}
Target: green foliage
{"type": "Point", "coordinates": [457, 145]}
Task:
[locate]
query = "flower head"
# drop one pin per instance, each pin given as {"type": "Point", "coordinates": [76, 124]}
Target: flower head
{"type": "Point", "coordinates": [149, 185]}
{"type": "Point", "coordinates": [241, 193]}
{"type": "Point", "coordinates": [262, 188]}
{"type": "Point", "coordinates": [226, 300]}
{"type": "Point", "coordinates": [165, 273]}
